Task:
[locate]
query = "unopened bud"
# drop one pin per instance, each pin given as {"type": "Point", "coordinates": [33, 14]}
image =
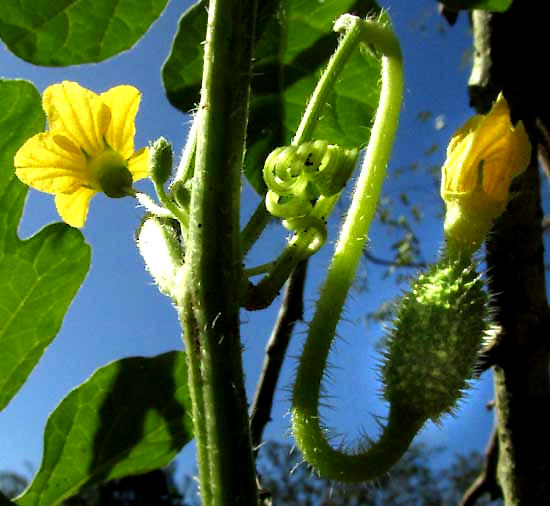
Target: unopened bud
{"type": "Point", "coordinates": [181, 194]}
{"type": "Point", "coordinates": [162, 251]}
{"type": "Point", "coordinates": [160, 159]}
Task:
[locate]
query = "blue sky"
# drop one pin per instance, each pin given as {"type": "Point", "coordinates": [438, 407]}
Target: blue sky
{"type": "Point", "coordinates": [119, 312]}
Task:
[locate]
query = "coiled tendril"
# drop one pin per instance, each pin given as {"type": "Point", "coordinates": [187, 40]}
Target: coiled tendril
{"type": "Point", "coordinates": [298, 177]}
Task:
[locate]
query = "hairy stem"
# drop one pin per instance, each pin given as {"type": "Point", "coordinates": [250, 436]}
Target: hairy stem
{"type": "Point", "coordinates": [330, 75]}
{"type": "Point", "coordinates": [255, 226]}
{"type": "Point", "coordinates": [210, 298]}
{"type": "Point", "coordinates": [177, 212]}
{"type": "Point", "coordinates": [185, 167]}
{"type": "Point", "coordinates": [394, 441]}
{"type": "Point", "coordinates": [308, 432]}
{"type": "Point", "coordinates": [192, 347]}
{"type": "Point", "coordinates": [262, 295]}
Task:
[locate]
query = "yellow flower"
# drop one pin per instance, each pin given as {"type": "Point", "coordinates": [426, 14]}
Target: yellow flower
{"type": "Point", "coordinates": [89, 148]}
{"type": "Point", "coordinates": [483, 157]}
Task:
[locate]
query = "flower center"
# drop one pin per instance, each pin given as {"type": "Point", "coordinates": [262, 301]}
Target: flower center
{"type": "Point", "coordinates": [112, 173]}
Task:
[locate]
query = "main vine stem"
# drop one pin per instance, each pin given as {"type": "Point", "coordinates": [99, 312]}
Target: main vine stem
{"type": "Point", "coordinates": [309, 434]}
{"type": "Point", "coordinates": [209, 299]}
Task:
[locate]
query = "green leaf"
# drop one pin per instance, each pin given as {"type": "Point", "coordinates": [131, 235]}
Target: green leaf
{"type": "Point", "coordinates": [40, 275]}
{"type": "Point", "coordinates": [129, 417]}
{"type": "Point", "coordinates": [70, 32]}
{"type": "Point", "coordinates": [294, 42]}
{"type": "Point", "coordinates": [182, 71]}
{"type": "Point", "coordinates": [486, 5]}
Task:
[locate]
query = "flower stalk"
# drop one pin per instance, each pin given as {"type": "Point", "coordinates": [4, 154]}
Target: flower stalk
{"type": "Point", "coordinates": [309, 434]}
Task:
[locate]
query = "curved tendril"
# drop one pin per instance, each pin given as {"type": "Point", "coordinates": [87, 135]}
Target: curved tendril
{"type": "Point", "coordinates": [309, 224]}
{"type": "Point", "coordinates": [283, 173]}
{"type": "Point", "coordinates": [309, 434]}
{"type": "Point", "coordinates": [287, 206]}
{"type": "Point", "coordinates": [334, 170]}
{"type": "Point", "coordinates": [261, 295]}
{"type": "Point", "coordinates": [298, 176]}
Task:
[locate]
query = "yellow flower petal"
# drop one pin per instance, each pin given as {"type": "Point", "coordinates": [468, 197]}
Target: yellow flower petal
{"type": "Point", "coordinates": [52, 163]}
{"type": "Point", "coordinates": [78, 114]}
{"type": "Point", "coordinates": [488, 143]}
{"type": "Point", "coordinates": [89, 148]}
{"type": "Point", "coordinates": [458, 180]}
{"type": "Point", "coordinates": [138, 164]}
{"type": "Point", "coordinates": [520, 155]}
{"type": "Point", "coordinates": [123, 101]}
{"type": "Point", "coordinates": [73, 207]}
{"type": "Point", "coordinates": [483, 157]}
{"type": "Point", "coordinates": [493, 127]}
{"type": "Point", "coordinates": [463, 131]}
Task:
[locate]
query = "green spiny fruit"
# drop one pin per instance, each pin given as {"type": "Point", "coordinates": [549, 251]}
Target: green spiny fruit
{"type": "Point", "coordinates": [436, 338]}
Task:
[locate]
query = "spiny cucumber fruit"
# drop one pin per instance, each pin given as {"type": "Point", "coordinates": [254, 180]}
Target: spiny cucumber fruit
{"type": "Point", "coordinates": [436, 337]}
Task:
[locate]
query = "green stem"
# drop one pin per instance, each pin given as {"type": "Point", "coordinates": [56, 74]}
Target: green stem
{"type": "Point", "coordinates": [330, 75]}
{"type": "Point", "coordinates": [259, 269]}
{"type": "Point", "coordinates": [148, 203]}
{"type": "Point", "coordinates": [178, 213]}
{"type": "Point", "coordinates": [254, 228]}
{"type": "Point", "coordinates": [394, 441]}
{"type": "Point", "coordinates": [298, 249]}
{"type": "Point", "coordinates": [185, 167]}
{"type": "Point", "coordinates": [308, 432]}
{"type": "Point", "coordinates": [208, 298]}
{"type": "Point", "coordinates": [198, 407]}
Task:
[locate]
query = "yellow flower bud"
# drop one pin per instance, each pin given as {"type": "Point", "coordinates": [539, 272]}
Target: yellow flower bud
{"type": "Point", "coordinates": [483, 157]}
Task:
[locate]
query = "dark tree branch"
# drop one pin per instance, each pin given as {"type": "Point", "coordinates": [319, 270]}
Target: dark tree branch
{"type": "Point", "coordinates": [392, 263]}
{"type": "Point", "coordinates": [291, 311]}
{"type": "Point", "coordinates": [507, 59]}
{"type": "Point", "coordinates": [450, 15]}
{"type": "Point", "coordinates": [543, 147]}
{"type": "Point", "coordinates": [544, 161]}
{"type": "Point", "coordinates": [486, 481]}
